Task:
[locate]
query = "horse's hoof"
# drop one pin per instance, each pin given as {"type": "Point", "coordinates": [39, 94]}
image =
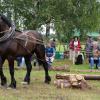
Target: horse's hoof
{"type": "Point", "coordinates": [48, 80]}
{"type": "Point", "coordinates": [9, 88]}
{"type": "Point", "coordinates": [3, 86]}
{"type": "Point", "coordinates": [4, 82]}
{"type": "Point", "coordinates": [12, 86]}
{"type": "Point", "coordinates": [24, 83]}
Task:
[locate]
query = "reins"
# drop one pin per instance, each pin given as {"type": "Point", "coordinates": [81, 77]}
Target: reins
{"type": "Point", "coordinates": [20, 38]}
{"type": "Point", "coordinates": [38, 41]}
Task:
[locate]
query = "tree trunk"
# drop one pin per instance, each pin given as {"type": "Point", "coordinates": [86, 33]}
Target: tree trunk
{"type": "Point", "coordinates": [47, 29]}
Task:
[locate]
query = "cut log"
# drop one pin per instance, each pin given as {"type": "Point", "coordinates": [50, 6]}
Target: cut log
{"type": "Point", "coordinates": [62, 76]}
{"type": "Point", "coordinates": [92, 77]}
{"type": "Point", "coordinates": [60, 68]}
{"type": "Point", "coordinates": [86, 77]}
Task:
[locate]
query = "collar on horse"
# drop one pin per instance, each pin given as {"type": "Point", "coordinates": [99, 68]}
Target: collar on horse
{"type": "Point", "coordinates": [8, 33]}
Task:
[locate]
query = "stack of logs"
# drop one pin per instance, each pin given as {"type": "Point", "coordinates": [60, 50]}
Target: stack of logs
{"type": "Point", "coordinates": [71, 80]}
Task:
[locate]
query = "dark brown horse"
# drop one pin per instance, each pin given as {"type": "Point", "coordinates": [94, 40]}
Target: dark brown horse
{"type": "Point", "coordinates": [14, 44]}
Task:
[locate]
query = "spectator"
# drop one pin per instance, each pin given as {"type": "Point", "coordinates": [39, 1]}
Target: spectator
{"type": "Point", "coordinates": [53, 43]}
{"type": "Point", "coordinates": [76, 48]}
{"type": "Point", "coordinates": [20, 62]}
{"type": "Point", "coordinates": [49, 54]}
{"type": "Point", "coordinates": [99, 52]}
{"type": "Point", "coordinates": [89, 47]}
{"type": "Point", "coordinates": [71, 48]}
{"type": "Point", "coordinates": [95, 58]}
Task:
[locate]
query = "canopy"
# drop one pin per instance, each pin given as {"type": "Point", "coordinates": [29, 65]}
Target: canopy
{"type": "Point", "coordinates": [76, 32]}
{"type": "Point", "coordinates": [93, 34]}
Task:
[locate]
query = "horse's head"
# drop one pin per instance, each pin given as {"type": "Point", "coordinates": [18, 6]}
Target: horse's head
{"type": "Point", "coordinates": [3, 23]}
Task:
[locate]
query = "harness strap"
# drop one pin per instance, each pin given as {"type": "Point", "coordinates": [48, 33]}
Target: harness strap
{"type": "Point", "coordinates": [27, 50]}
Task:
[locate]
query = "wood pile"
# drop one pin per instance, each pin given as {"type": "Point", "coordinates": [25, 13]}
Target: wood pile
{"type": "Point", "coordinates": [71, 80]}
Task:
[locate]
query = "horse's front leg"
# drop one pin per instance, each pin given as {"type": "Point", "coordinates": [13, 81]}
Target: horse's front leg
{"type": "Point", "coordinates": [29, 68]}
{"type": "Point", "coordinates": [3, 78]}
{"type": "Point", "coordinates": [11, 69]}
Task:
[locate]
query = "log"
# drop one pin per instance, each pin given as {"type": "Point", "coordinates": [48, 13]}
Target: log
{"type": "Point", "coordinates": [60, 68]}
{"type": "Point", "coordinates": [92, 77]}
{"type": "Point", "coordinates": [65, 76]}
{"type": "Point", "coordinates": [86, 77]}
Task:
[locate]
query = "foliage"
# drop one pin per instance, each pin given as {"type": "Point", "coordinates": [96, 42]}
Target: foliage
{"type": "Point", "coordinates": [67, 15]}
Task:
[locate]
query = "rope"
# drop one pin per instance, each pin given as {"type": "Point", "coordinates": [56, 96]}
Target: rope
{"type": "Point", "coordinates": [22, 38]}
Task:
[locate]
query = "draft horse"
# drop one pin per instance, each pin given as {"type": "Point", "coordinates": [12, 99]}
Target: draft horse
{"type": "Point", "coordinates": [18, 44]}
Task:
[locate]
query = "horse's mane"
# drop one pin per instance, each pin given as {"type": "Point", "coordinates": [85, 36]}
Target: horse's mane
{"type": "Point", "coordinates": [5, 19]}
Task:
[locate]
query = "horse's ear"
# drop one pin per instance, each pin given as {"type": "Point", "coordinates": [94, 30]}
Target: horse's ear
{"type": "Point", "coordinates": [0, 17]}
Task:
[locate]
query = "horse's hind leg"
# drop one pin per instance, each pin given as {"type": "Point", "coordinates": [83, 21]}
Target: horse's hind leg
{"type": "Point", "coordinates": [3, 78]}
{"type": "Point", "coordinates": [40, 53]}
{"type": "Point", "coordinates": [47, 77]}
{"type": "Point", "coordinates": [29, 68]}
{"type": "Point", "coordinates": [11, 69]}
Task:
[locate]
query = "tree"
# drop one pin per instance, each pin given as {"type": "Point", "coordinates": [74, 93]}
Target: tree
{"type": "Point", "coordinates": [67, 15]}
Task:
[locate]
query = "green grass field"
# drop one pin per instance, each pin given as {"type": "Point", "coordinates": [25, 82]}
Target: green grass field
{"type": "Point", "coordinates": [37, 90]}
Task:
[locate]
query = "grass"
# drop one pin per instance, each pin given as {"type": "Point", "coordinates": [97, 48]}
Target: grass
{"type": "Point", "coordinates": [37, 90]}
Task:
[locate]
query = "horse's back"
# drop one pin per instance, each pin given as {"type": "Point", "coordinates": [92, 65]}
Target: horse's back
{"type": "Point", "coordinates": [31, 33]}
{"type": "Point", "coordinates": [34, 33]}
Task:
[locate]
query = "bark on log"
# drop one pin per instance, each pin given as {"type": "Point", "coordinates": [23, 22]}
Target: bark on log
{"type": "Point", "coordinates": [92, 77]}
{"type": "Point", "coordinates": [61, 68]}
{"type": "Point", "coordinates": [86, 77]}
{"type": "Point", "coordinates": [59, 76]}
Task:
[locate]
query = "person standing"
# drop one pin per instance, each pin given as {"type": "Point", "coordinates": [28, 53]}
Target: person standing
{"type": "Point", "coordinates": [95, 58]}
{"type": "Point", "coordinates": [53, 43]}
{"type": "Point", "coordinates": [71, 48]}
{"type": "Point", "coordinates": [76, 48]}
{"type": "Point", "coordinates": [89, 47]}
{"type": "Point", "coordinates": [19, 61]}
{"type": "Point", "coordinates": [49, 54]}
